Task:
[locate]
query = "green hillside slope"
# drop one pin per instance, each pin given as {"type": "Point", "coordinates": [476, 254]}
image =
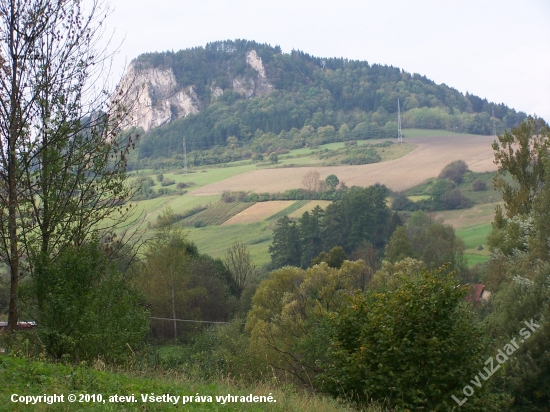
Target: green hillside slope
{"type": "Point", "coordinates": [313, 101]}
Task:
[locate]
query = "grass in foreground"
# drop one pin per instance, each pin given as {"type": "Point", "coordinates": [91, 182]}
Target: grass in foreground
{"type": "Point", "coordinates": [33, 378]}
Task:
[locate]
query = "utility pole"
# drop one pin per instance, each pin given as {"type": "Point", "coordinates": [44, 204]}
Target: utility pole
{"type": "Point", "coordinates": [399, 133]}
{"type": "Point", "coordinates": [184, 158]}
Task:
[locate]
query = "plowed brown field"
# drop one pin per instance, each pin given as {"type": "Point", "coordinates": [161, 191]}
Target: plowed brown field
{"type": "Point", "coordinates": [424, 162]}
{"type": "Point", "coordinates": [258, 212]}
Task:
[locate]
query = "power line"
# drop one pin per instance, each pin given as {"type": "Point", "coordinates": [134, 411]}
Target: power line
{"type": "Point", "coordinates": [186, 320]}
{"type": "Point", "coordinates": [184, 158]}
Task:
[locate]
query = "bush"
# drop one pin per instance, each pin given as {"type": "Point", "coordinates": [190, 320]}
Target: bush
{"type": "Point", "coordinates": [413, 347]}
{"type": "Point", "coordinates": [228, 197]}
{"type": "Point", "coordinates": [86, 309]}
{"type": "Point", "coordinates": [454, 200]}
{"type": "Point", "coordinates": [198, 223]}
{"type": "Point", "coordinates": [167, 182]}
{"type": "Point", "coordinates": [402, 202]}
{"type": "Point", "coordinates": [454, 171]}
{"type": "Point", "coordinates": [479, 186]}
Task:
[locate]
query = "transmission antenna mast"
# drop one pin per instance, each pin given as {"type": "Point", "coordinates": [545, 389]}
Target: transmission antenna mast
{"type": "Point", "coordinates": [184, 158]}
{"type": "Point", "coordinates": [494, 126]}
{"type": "Point", "coordinates": [399, 133]}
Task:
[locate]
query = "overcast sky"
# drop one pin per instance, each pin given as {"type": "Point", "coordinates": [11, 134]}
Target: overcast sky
{"type": "Point", "coordinates": [496, 49]}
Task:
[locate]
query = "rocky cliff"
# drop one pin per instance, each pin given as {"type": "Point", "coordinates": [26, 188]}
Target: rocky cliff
{"type": "Point", "coordinates": [156, 98]}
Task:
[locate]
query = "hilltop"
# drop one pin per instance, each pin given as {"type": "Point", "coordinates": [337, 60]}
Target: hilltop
{"type": "Point", "coordinates": [245, 95]}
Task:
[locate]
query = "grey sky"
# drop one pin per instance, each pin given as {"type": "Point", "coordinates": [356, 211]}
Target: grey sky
{"type": "Point", "coordinates": [496, 49]}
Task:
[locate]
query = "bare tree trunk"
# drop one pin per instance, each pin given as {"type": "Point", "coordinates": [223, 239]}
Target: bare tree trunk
{"type": "Point", "coordinates": [12, 141]}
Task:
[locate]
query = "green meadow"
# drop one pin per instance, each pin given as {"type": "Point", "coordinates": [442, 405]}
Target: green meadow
{"type": "Point", "coordinates": [215, 240]}
{"type": "Point", "coordinates": [475, 236]}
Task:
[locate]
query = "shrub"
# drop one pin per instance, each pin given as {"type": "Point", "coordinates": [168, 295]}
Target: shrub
{"type": "Point", "coordinates": [167, 182]}
{"type": "Point", "coordinates": [402, 202]}
{"type": "Point", "coordinates": [454, 200]}
{"type": "Point", "coordinates": [181, 185]}
{"type": "Point", "coordinates": [479, 186]}
{"type": "Point", "coordinates": [198, 223]}
{"type": "Point", "coordinates": [85, 308]}
{"type": "Point", "coordinates": [228, 197]}
{"type": "Point", "coordinates": [413, 347]}
{"type": "Point", "coordinates": [454, 171]}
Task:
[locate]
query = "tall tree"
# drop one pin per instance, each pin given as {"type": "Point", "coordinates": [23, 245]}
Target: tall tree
{"type": "Point", "coordinates": [309, 227]}
{"type": "Point", "coordinates": [521, 153]}
{"type": "Point", "coordinates": [286, 249]}
{"type": "Point", "coordinates": [362, 214]}
{"type": "Point", "coordinates": [165, 275]}
{"type": "Point", "coordinates": [239, 263]}
{"type": "Point", "coordinates": [61, 167]}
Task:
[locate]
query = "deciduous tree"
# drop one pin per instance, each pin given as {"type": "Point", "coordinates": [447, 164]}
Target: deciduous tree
{"type": "Point", "coordinates": [413, 347]}
{"type": "Point", "coordinates": [239, 263]}
{"type": "Point", "coordinates": [521, 153]}
{"type": "Point", "coordinates": [311, 181]}
{"type": "Point", "coordinates": [62, 167]}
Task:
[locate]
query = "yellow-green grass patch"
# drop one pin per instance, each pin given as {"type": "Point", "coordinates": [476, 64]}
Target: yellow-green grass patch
{"type": "Point", "coordinates": [152, 208]}
{"type": "Point", "coordinates": [309, 207]}
{"type": "Point", "coordinates": [258, 212]}
{"type": "Point", "coordinates": [215, 240]}
{"type": "Point", "coordinates": [395, 151]}
{"type": "Point", "coordinates": [477, 215]}
{"type": "Point", "coordinates": [417, 198]}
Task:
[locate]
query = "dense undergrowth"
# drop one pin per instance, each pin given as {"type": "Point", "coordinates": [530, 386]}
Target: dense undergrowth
{"type": "Point", "coordinates": [23, 374]}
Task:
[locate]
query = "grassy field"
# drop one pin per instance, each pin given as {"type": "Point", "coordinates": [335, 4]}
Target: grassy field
{"type": "Point", "coordinates": [473, 237]}
{"type": "Point", "coordinates": [24, 377]}
{"type": "Point", "coordinates": [426, 161]}
{"type": "Point", "coordinates": [476, 215]}
{"type": "Point", "coordinates": [215, 240]}
{"type": "Point", "coordinates": [413, 133]}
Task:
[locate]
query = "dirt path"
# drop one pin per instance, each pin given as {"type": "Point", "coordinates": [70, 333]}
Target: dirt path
{"type": "Point", "coordinates": [424, 162]}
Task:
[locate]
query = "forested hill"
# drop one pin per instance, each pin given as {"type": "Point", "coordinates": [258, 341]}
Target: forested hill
{"type": "Point", "coordinates": [241, 91]}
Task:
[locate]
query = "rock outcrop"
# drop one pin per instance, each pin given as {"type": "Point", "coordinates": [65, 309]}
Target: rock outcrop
{"type": "Point", "coordinates": [155, 98]}
{"type": "Point", "coordinates": [253, 87]}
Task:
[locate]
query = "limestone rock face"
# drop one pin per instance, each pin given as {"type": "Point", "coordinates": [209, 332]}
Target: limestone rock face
{"type": "Point", "coordinates": [216, 92]}
{"type": "Point", "coordinates": [253, 87]}
{"type": "Point", "coordinates": [155, 98]}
